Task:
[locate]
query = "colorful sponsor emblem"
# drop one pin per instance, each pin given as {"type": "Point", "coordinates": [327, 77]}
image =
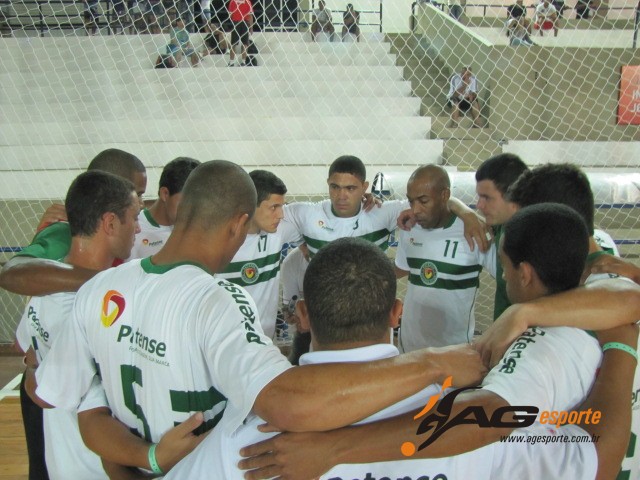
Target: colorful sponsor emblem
{"type": "Point", "coordinates": [112, 307]}
{"type": "Point", "coordinates": [428, 273]}
{"type": "Point", "coordinates": [145, 241]}
{"type": "Point", "coordinates": [249, 273]}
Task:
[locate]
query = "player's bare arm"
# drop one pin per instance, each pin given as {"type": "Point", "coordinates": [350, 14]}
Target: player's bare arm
{"type": "Point", "coordinates": [309, 455]}
{"type": "Point", "coordinates": [36, 276]}
{"type": "Point", "coordinates": [113, 441]}
{"type": "Point", "coordinates": [292, 401]}
{"type": "Point", "coordinates": [596, 306]}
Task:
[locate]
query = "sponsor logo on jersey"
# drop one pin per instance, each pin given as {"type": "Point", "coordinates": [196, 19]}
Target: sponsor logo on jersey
{"type": "Point", "coordinates": [250, 273]}
{"type": "Point", "coordinates": [112, 307]}
{"type": "Point", "coordinates": [147, 243]}
{"type": "Point", "coordinates": [413, 243]}
{"type": "Point", "coordinates": [323, 226]}
{"type": "Point", "coordinates": [36, 325]}
{"type": "Point", "coordinates": [428, 273]}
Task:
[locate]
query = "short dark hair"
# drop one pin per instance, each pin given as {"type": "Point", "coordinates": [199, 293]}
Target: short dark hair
{"type": "Point", "coordinates": [559, 183]}
{"type": "Point", "coordinates": [551, 237]}
{"type": "Point", "coordinates": [214, 193]}
{"type": "Point", "coordinates": [349, 164]}
{"type": "Point", "coordinates": [91, 195]}
{"type": "Point", "coordinates": [116, 161]}
{"type": "Point", "coordinates": [267, 184]}
{"type": "Point", "coordinates": [349, 288]}
{"type": "Point", "coordinates": [502, 170]}
{"type": "Point", "coordinates": [176, 172]}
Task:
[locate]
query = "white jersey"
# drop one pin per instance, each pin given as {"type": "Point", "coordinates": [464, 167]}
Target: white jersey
{"type": "Point", "coordinates": [65, 453]}
{"type": "Point", "coordinates": [151, 237]}
{"type": "Point", "coordinates": [443, 282]}
{"type": "Point", "coordinates": [294, 267]}
{"type": "Point", "coordinates": [604, 241]}
{"type": "Point", "coordinates": [218, 455]}
{"type": "Point", "coordinates": [549, 368]}
{"type": "Point", "coordinates": [256, 267]}
{"type": "Point", "coordinates": [543, 11]}
{"type": "Point", "coordinates": [167, 341]}
{"type": "Point", "coordinates": [319, 226]}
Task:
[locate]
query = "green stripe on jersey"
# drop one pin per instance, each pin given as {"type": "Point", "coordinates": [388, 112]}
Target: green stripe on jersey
{"type": "Point", "coordinates": [445, 283]}
{"type": "Point", "coordinates": [263, 277]}
{"type": "Point", "coordinates": [379, 237]}
{"type": "Point", "coordinates": [202, 401]}
{"type": "Point", "coordinates": [235, 267]}
{"type": "Point", "coordinates": [444, 267]}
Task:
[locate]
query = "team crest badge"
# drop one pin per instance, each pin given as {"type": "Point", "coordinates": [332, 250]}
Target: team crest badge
{"type": "Point", "coordinates": [249, 273]}
{"type": "Point", "coordinates": [428, 273]}
{"type": "Point", "coordinates": [112, 307]}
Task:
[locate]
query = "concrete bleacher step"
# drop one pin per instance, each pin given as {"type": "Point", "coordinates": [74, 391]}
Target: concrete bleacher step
{"type": "Point", "coordinates": [33, 63]}
{"type": "Point", "coordinates": [190, 89]}
{"type": "Point", "coordinates": [67, 76]}
{"type": "Point", "coordinates": [246, 153]}
{"type": "Point", "coordinates": [206, 108]}
{"type": "Point", "coordinates": [219, 129]}
{"type": "Point", "coordinates": [464, 131]}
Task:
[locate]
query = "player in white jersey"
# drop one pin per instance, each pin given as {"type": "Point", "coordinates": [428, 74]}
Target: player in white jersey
{"type": "Point", "coordinates": [170, 340]}
{"type": "Point", "coordinates": [547, 238]}
{"type": "Point", "coordinates": [102, 213]}
{"type": "Point", "coordinates": [349, 314]}
{"type": "Point", "coordinates": [443, 271]}
{"type": "Point", "coordinates": [156, 222]}
{"type": "Point", "coordinates": [256, 266]}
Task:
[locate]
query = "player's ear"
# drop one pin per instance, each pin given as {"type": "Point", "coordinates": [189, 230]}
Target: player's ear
{"type": "Point", "coordinates": [164, 194]}
{"type": "Point", "coordinates": [238, 224]}
{"type": "Point", "coordinates": [396, 313]}
{"type": "Point", "coordinates": [366, 186]}
{"type": "Point", "coordinates": [303, 315]}
{"type": "Point", "coordinates": [526, 274]}
{"type": "Point", "coordinates": [108, 223]}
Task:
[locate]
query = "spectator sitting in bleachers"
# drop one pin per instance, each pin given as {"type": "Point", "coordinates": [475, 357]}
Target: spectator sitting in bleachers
{"type": "Point", "coordinates": [351, 19]}
{"type": "Point", "coordinates": [463, 97]}
{"type": "Point", "coordinates": [91, 15]}
{"type": "Point", "coordinates": [215, 42]}
{"type": "Point", "coordinates": [519, 35]}
{"type": "Point", "coordinates": [322, 21]}
{"type": "Point", "coordinates": [179, 44]}
{"type": "Point", "coordinates": [154, 15]}
{"type": "Point", "coordinates": [518, 12]}
{"type": "Point", "coordinates": [546, 18]}
{"type": "Point", "coordinates": [582, 9]}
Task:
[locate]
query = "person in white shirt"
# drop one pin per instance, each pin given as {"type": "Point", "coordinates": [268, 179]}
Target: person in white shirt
{"type": "Point", "coordinates": [322, 21]}
{"type": "Point", "coordinates": [546, 18]}
{"type": "Point", "coordinates": [443, 271]}
{"type": "Point", "coordinates": [102, 212]}
{"type": "Point", "coordinates": [156, 222]}
{"type": "Point", "coordinates": [463, 97]}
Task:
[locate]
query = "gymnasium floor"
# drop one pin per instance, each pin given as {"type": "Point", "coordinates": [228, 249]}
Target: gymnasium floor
{"type": "Point", "coordinates": [13, 450]}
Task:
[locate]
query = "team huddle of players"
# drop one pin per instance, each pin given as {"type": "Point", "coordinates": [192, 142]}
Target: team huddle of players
{"type": "Point", "coordinates": [176, 340]}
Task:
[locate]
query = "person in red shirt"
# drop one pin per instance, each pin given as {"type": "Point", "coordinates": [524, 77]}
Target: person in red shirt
{"type": "Point", "coordinates": [241, 13]}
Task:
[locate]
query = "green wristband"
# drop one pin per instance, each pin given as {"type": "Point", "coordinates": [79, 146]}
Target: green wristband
{"type": "Point", "coordinates": [620, 346]}
{"type": "Point", "coordinates": [153, 462]}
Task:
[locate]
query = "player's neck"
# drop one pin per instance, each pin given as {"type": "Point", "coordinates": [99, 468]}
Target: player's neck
{"type": "Point", "coordinates": [91, 253]}
{"type": "Point", "coordinates": [159, 213]}
{"type": "Point", "coordinates": [318, 347]}
{"type": "Point", "coordinates": [253, 227]}
{"type": "Point", "coordinates": [194, 246]}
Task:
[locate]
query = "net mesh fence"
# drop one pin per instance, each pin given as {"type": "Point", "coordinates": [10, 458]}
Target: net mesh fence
{"type": "Point", "coordinates": [80, 77]}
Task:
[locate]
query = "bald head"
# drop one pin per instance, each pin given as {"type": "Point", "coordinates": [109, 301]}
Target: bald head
{"type": "Point", "coordinates": [434, 175]}
{"type": "Point", "coordinates": [215, 193]}
{"type": "Point", "coordinates": [428, 192]}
